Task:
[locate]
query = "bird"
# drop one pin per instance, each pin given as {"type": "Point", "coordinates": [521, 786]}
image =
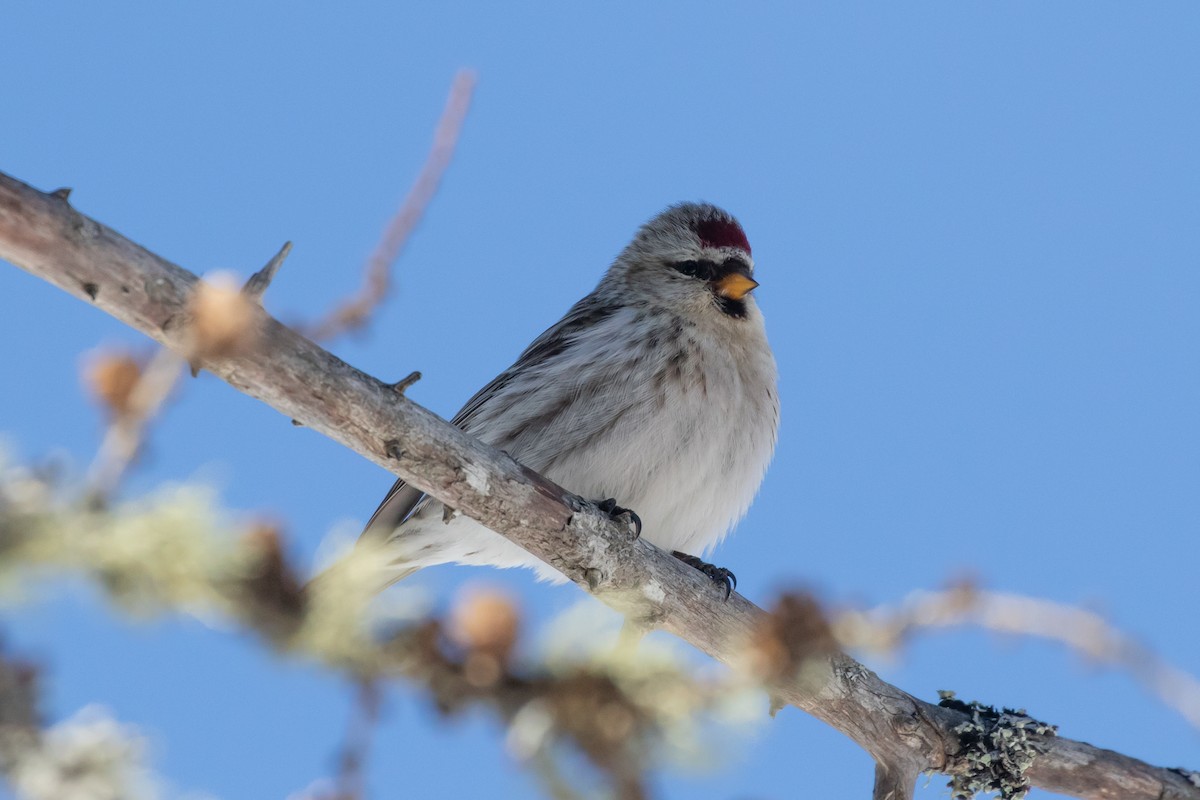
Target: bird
{"type": "Point", "coordinates": [657, 391]}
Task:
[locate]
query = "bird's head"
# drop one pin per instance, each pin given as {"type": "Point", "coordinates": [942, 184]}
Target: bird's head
{"type": "Point", "coordinates": [693, 258]}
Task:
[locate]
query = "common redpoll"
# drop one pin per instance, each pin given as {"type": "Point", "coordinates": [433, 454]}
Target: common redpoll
{"type": "Point", "coordinates": [656, 391]}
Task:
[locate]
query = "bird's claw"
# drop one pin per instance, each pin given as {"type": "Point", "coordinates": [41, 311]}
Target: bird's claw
{"type": "Point", "coordinates": [615, 512]}
{"type": "Point", "coordinates": [723, 578]}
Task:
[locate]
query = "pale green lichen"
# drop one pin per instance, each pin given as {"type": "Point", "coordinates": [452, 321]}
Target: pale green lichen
{"type": "Point", "coordinates": [87, 757]}
{"type": "Point", "coordinates": [175, 551]}
{"type": "Point", "coordinates": [997, 749]}
{"type": "Point", "coordinates": [658, 675]}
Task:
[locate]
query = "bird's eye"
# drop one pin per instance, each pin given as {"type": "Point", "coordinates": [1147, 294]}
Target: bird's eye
{"type": "Point", "coordinates": [705, 270]}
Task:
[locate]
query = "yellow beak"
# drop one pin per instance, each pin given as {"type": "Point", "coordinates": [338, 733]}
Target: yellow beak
{"type": "Point", "coordinates": [735, 286]}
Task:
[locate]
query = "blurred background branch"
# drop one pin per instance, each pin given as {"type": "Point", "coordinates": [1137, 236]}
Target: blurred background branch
{"type": "Point", "coordinates": [353, 314]}
{"type": "Point", "coordinates": [177, 553]}
{"type": "Point", "coordinates": [1086, 632]}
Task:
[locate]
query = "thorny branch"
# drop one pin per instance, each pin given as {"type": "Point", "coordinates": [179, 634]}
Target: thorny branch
{"type": "Point", "coordinates": [46, 236]}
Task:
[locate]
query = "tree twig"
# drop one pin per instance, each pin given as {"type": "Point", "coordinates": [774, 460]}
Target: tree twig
{"type": "Point", "coordinates": [125, 434]}
{"type": "Point", "coordinates": [353, 313]}
{"type": "Point", "coordinates": [357, 744]}
{"type": "Point", "coordinates": [1085, 632]}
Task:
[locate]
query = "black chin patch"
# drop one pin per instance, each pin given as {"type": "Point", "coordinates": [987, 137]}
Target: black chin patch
{"type": "Point", "coordinates": [731, 307]}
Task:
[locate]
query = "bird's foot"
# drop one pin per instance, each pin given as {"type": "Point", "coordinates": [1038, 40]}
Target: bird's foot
{"type": "Point", "coordinates": [723, 578]}
{"type": "Point", "coordinates": [618, 514]}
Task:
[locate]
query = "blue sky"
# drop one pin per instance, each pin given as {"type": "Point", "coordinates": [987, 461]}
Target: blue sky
{"type": "Point", "coordinates": [975, 225]}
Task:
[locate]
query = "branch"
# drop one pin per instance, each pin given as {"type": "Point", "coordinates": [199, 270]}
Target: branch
{"type": "Point", "coordinates": [1085, 632]}
{"type": "Point", "coordinates": [354, 313]}
{"type": "Point", "coordinates": [45, 236]}
{"type": "Point", "coordinates": [131, 416]}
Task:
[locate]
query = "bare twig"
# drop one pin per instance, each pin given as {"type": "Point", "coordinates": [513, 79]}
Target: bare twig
{"type": "Point", "coordinates": [1085, 632]}
{"type": "Point", "coordinates": [123, 439]}
{"type": "Point", "coordinates": [357, 744]}
{"type": "Point", "coordinates": [53, 241]}
{"type": "Point", "coordinates": [20, 716]}
{"type": "Point", "coordinates": [354, 312]}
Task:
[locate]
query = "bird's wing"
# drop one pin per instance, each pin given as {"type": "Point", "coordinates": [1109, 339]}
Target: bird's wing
{"type": "Point", "coordinates": [403, 500]}
{"type": "Point", "coordinates": [399, 503]}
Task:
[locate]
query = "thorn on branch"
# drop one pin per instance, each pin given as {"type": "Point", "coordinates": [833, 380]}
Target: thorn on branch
{"type": "Point", "coordinates": [401, 386]}
{"type": "Point", "coordinates": [62, 193]}
{"type": "Point", "coordinates": [257, 285]}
